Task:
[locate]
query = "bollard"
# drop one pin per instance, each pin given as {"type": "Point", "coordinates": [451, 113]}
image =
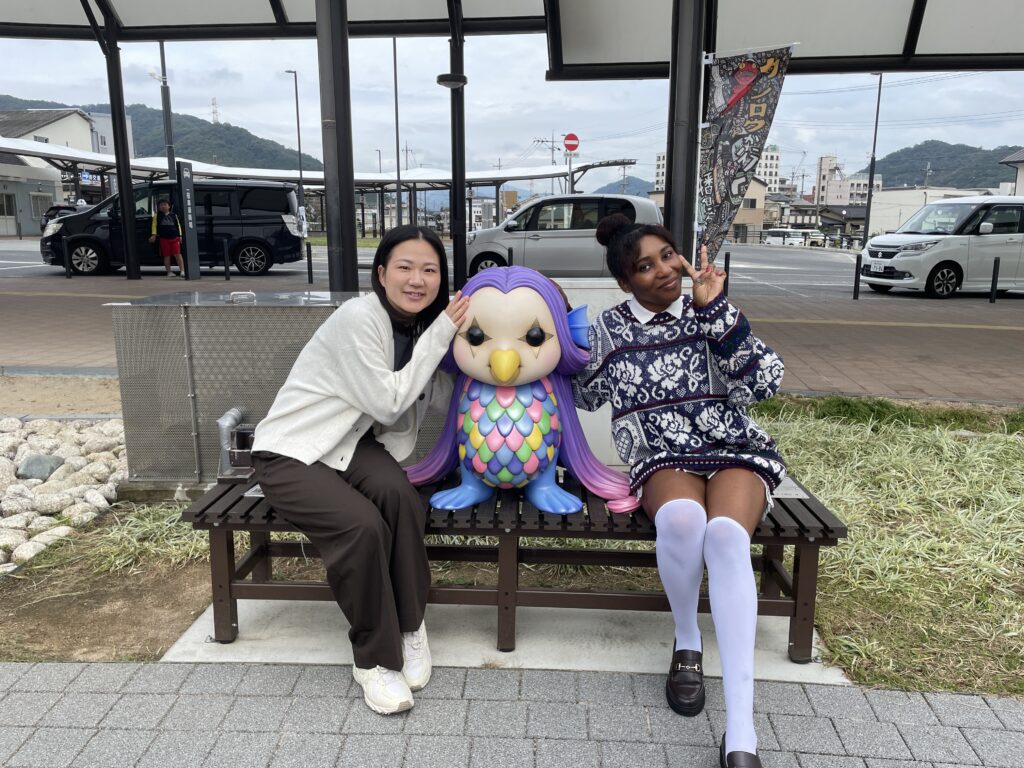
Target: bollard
{"type": "Point", "coordinates": [227, 261]}
{"type": "Point", "coordinates": [67, 257]}
{"type": "Point", "coordinates": [725, 288]}
{"type": "Point", "coordinates": [17, 227]}
{"type": "Point", "coordinates": [856, 277]}
{"type": "Point", "coordinates": [510, 255]}
{"type": "Point", "coordinates": [995, 280]}
{"type": "Point", "coordinates": [309, 261]}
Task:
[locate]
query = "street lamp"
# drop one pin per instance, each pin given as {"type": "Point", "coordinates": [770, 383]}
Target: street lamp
{"type": "Point", "coordinates": [298, 135]}
{"type": "Point", "coordinates": [871, 165]}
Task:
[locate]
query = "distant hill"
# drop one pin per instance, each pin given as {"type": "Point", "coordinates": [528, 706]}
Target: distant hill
{"type": "Point", "coordinates": [194, 138]}
{"type": "Point", "coordinates": [634, 186]}
{"type": "Point", "coordinates": [952, 165]}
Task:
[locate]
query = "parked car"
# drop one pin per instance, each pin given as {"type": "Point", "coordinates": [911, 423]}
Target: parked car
{"type": "Point", "coordinates": [950, 245]}
{"type": "Point", "coordinates": [56, 211]}
{"type": "Point", "coordinates": [795, 237]}
{"type": "Point", "coordinates": [257, 219]}
{"type": "Point", "coordinates": [555, 235]}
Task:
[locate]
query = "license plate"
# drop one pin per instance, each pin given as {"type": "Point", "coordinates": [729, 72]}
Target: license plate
{"type": "Point", "coordinates": [878, 267]}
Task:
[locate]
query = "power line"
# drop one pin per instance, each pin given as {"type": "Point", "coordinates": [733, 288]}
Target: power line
{"type": "Point", "coordinates": [895, 84]}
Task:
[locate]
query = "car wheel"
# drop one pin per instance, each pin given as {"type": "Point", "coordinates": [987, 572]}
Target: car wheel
{"type": "Point", "coordinates": [88, 259]}
{"type": "Point", "coordinates": [486, 261]}
{"type": "Point", "coordinates": [943, 281]}
{"type": "Point", "coordinates": [252, 259]}
{"type": "Point", "coordinates": [879, 288]}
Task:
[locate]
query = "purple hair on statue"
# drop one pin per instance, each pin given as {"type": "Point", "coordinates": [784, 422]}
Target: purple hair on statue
{"type": "Point", "coordinates": [573, 452]}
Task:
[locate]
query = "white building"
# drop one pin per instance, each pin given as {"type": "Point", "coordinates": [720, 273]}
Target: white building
{"type": "Point", "coordinates": [1016, 161]}
{"type": "Point", "coordinates": [833, 189]}
{"type": "Point", "coordinates": [659, 172]}
{"type": "Point", "coordinates": [891, 207]}
{"type": "Point", "coordinates": [768, 168]}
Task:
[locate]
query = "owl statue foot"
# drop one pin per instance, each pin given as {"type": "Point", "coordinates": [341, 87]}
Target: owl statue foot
{"type": "Point", "coordinates": [471, 490]}
{"type": "Point", "coordinates": [546, 496]}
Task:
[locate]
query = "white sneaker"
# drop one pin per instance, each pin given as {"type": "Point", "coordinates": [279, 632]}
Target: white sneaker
{"type": "Point", "coordinates": [384, 690]}
{"type": "Point", "coordinates": [416, 654]}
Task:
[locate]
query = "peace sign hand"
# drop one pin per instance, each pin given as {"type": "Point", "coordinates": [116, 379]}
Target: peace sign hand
{"type": "Point", "coordinates": [708, 282]}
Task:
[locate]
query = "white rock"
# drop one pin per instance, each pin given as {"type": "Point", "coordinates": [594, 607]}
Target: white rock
{"type": "Point", "coordinates": [108, 491]}
{"type": "Point", "coordinates": [18, 521]}
{"type": "Point", "coordinates": [52, 503]}
{"type": "Point", "coordinates": [15, 506]}
{"type": "Point", "coordinates": [54, 534]}
{"type": "Point", "coordinates": [18, 490]}
{"type": "Point", "coordinates": [66, 483]}
{"type": "Point", "coordinates": [96, 499]}
{"type": "Point", "coordinates": [43, 443]}
{"type": "Point", "coordinates": [25, 552]}
{"type": "Point", "coordinates": [11, 538]}
{"type": "Point", "coordinates": [40, 524]}
{"type": "Point", "coordinates": [67, 450]}
{"type": "Point", "coordinates": [112, 428]}
{"type": "Point", "coordinates": [80, 514]}
{"type": "Point", "coordinates": [8, 567]}
{"type": "Point", "coordinates": [99, 470]}
{"type": "Point", "coordinates": [10, 424]}
{"type": "Point", "coordinates": [117, 477]}
{"type": "Point", "coordinates": [31, 483]}
{"type": "Point", "coordinates": [23, 450]}
{"type": "Point", "coordinates": [99, 444]}
{"type": "Point", "coordinates": [4, 557]}
{"type": "Point", "coordinates": [44, 427]}
{"type": "Point", "coordinates": [9, 445]}
{"type": "Point", "coordinates": [76, 463]}
{"type": "Point", "coordinates": [107, 456]}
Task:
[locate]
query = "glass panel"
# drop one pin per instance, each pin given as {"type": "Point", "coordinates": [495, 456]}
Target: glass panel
{"type": "Point", "coordinates": [1005, 221]}
{"type": "Point", "coordinates": [615, 205]}
{"type": "Point", "coordinates": [260, 202]}
{"type": "Point", "coordinates": [214, 202]}
{"type": "Point", "coordinates": [554, 216]}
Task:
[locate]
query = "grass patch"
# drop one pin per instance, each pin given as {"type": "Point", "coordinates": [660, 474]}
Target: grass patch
{"type": "Point", "coordinates": [361, 242]}
{"type": "Point", "coordinates": [137, 535]}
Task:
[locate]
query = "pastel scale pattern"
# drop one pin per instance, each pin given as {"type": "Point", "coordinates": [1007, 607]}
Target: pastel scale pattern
{"type": "Point", "coordinates": [507, 436]}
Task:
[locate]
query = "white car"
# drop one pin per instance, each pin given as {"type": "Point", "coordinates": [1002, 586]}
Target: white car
{"type": "Point", "coordinates": [796, 237]}
{"type": "Point", "coordinates": [949, 245]}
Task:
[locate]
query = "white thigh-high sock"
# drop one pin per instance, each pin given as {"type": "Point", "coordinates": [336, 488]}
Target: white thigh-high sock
{"type": "Point", "coordinates": [680, 525]}
{"type": "Point", "coordinates": [734, 609]}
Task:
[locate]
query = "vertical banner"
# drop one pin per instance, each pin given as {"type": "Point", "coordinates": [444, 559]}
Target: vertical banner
{"type": "Point", "coordinates": [744, 91]}
{"type": "Point", "coordinates": [187, 214]}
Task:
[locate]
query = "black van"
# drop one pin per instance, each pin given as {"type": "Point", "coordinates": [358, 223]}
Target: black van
{"type": "Point", "coordinates": [258, 219]}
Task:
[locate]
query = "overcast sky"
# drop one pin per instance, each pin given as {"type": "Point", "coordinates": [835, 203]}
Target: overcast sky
{"type": "Point", "coordinates": [508, 102]}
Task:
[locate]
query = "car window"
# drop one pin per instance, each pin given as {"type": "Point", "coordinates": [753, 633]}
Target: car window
{"type": "Point", "coordinates": [614, 205]}
{"type": "Point", "coordinates": [214, 202]}
{"type": "Point", "coordinates": [552, 216]}
{"type": "Point", "coordinates": [142, 202]}
{"type": "Point", "coordinates": [260, 202]}
{"type": "Point", "coordinates": [584, 214]}
{"type": "Point", "coordinates": [1005, 220]}
{"type": "Point", "coordinates": [523, 217]}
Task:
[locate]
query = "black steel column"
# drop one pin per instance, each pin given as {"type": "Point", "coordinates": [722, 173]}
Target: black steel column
{"type": "Point", "coordinates": [457, 203]}
{"type": "Point", "coordinates": [499, 209]}
{"type": "Point", "coordinates": [682, 149]}
{"type": "Point", "coordinates": [380, 212]}
{"type": "Point", "coordinates": [871, 169]}
{"type": "Point", "coordinates": [165, 101]}
{"type": "Point", "coordinates": [336, 127]}
{"type": "Point", "coordinates": [414, 206]}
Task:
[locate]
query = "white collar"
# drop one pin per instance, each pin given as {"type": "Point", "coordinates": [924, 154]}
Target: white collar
{"type": "Point", "coordinates": [645, 315]}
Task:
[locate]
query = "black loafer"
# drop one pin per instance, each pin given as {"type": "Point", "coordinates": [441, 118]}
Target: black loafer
{"type": "Point", "coordinates": [684, 688]}
{"type": "Point", "coordinates": [737, 759]}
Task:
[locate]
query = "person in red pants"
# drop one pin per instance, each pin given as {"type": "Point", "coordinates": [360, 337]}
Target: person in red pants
{"type": "Point", "coordinates": [166, 233]}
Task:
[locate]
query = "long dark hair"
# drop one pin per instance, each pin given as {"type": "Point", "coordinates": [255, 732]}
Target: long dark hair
{"type": "Point", "coordinates": [393, 238]}
{"type": "Point", "coordinates": [622, 238]}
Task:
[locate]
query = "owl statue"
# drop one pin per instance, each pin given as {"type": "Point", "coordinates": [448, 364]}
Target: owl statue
{"type": "Point", "coordinates": [512, 418]}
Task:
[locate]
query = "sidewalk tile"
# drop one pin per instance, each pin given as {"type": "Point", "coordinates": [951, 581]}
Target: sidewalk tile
{"type": "Point", "coordinates": [361, 719]}
{"type": "Point", "coordinates": [325, 680]}
{"type": "Point", "coordinates": [557, 753]}
{"type": "Point", "coordinates": [197, 713]}
{"type": "Point", "coordinates": [10, 740]}
{"type": "Point", "coordinates": [139, 710]}
{"type": "Point", "coordinates": [437, 717]}
{"type": "Point", "coordinates": [606, 687]}
{"type": "Point", "coordinates": [557, 721]}
{"type": "Point", "coordinates": [549, 685]}
{"type": "Point", "coordinates": [242, 750]}
{"type": "Point", "coordinates": [839, 701]}
{"type": "Point", "coordinates": [814, 735]}
{"type": "Point", "coordinates": [618, 754]}
{"type": "Point", "coordinates": [495, 684]}
{"type": "Point", "coordinates": [766, 738]}
{"type": "Point", "coordinates": [79, 710]}
{"type": "Point", "coordinates": [669, 728]}
{"type": "Point", "coordinates": [255, 713]}
{"type": "Point", "coordinates": [501, 753]}
{"type": "Point", "coordinates": [317, 714]}
{"type": "Point", "coordinates": [649, 690]}
{"type": "Point", "coordinates": [690, 757]}
{"type": "Point", "coordinates": [214, 678]}
{"type": "Point", "coordinates": [901, 707]}
{"type": "Point", "coordinates": [781, 698]}
{"type": "Point", "coordinates": [114, 749]}
{"type": "Point", "coordinates": [1003, 749]}
{"type": "Point", "coordinates": [962, 710]}
{"type": "Point", "coordinates": [938, 744]}
{"type": "Point", "coordinates": [11, 672]}
{"type": "Point", "coordinates": [102, 678]}
{"type": "Point", "coordinates": [51, 748]}
{"type": "Point", "coordinates": [50, 676]}
{"type": "Point", "coordinates": [496, 718]}
{"type": "Point", "coordinates": [26, 708]}
{"type": "Point", "coordinates": [269, 680]}
{"type": "Point", "coordinates": [773, 759]}
{"type": "Point", "coordinates": [829, 761]}
{"type": "Point", "coordinates": [1009, 711]}
{"type": "Point", "coordinates": [869, 738]}
{"type": "Point", "coordinates": [445, 683]}
{"type": "Point", "coordinates": [373, 751]}
{"type": "Point", "coordinates": [878, 762]}
{"type": "Point", "coordinates": [307, 750]}
{"type": "Point", "coordinates": [437, 752]}
{"type": "Point", "coordinates": [158, 678]}
{"type": "Point", "coordinates": [617, 722]}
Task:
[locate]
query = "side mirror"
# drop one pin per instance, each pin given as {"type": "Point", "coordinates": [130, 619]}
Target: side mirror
{"type": "Point", "coordinates": [985, 228]}
{"type": "Point", "coordinates": [511, 225]}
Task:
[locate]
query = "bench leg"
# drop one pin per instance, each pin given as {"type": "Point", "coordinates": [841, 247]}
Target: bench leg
{"type": "Point", "coordinates": [508, 589]}
{"type": "Point", "coordinates": [222, 573]}
{"type": "Point", "coordinates": [261, 574]}
{"type": "Point", "coordinates": [805, 586]}
{"type": "Point", "coordinates": [769, 585]}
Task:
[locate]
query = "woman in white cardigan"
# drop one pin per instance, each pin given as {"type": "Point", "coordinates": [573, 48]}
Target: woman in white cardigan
{"type": "Point", "coordinates": [327, 454]}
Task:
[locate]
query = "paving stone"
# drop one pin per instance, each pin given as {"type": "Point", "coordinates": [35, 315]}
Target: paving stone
{"type": "Point", "coordinates": [714, 694]}
{"type": "Point", "coordinates": [668, 727]}
{"type": "Point", "coordinates": [255, 713]}
{"type": "Point", "coordinates": [680, 756]}
{"type": "Point", "coordinates": [549, 685]}
{"type": "Point", "coordinates": [79, 710]}
{"type": "Point", "coordinates": [780, 698]}
{"type": "Point", "coordinates": [829, 761]}
{"type": "Point", "coordinates": [307, 750]}
{"type": "Point", "coordinates": [501, 753]}
{"type": "Point", "coordinates": [269, 680]}
{"type": "Point", "coordinates": [197, 713]}
{"type": "Point", "coordinates": [557, 753]}
{"type": "Point", "coordinates": [771, 759]}
{"type": "Point", "coordinates": [437, 752]}
{"type": "Point", "coordinates": [938, 744]}
{"type": "Point", "coordinates": [437, 717]}
{"type": "Point", "coordinates": [26, 708]}
{"type": "Point", "coordinates": [878, 762]}
{"type": "Point", "coordinates": [373, 751]}
{"type": "Point", "coordinates": [1004, 749]}
{"type": "Point", "coordinates": [362, 719]}
{"type": "Point", "coordinates": [180, 749]}
{"type": "Point", "coordinates": [325, 680]}
{"type": "Point", "coordinates": [317, 714]}
{"type": "Point", "coordinates": [48, 677]}
{"type": "Point", "coordinates": [961, 710]}
{"type": "Point", "coordinates": [115, 749]}
{"type": "Point", "coordinates": [624, 754]}
{"type": "Point", "coordinates": [50, 748]}
{"type": "Point", "coordinates": [158, 678]}
{"type": "Point", "coordinates": [1009, 711]}
{"type": "Point", "coordinates": [901, 707]}
{"type": "Point", "coordinates": [649, 690]}
{"type": "Point", "coordinates": [556, 721]}
{"type": "Point", "coordinates": [494, 684]}
{"type": "Point", "coordinates": [242, 750]}
{"type": "Point", "coordinates": [617, 722]}
{"type": "Point", "coordinates": [138, 710]}
{"type": "Point", "coordinates": [762, 727]}
{"type": "Point", "coordinates": [814, 735]}
{"type": "Point", "coordinates": [217, 679]}
{"type": "Point", "coordinates": [445, 683]}
{"type": "Point", "coordinates": [606, 687]}
{"type": "Point", "coordinates": [870, 738]}
{"type": "Point", "coordinates": [496, 718]}
{"type": "Point", "coordinates": [102, 678]}
{"type": "Point", "coordinates": [11, 672]}
{"type": "Point", "coordinates": [839, 701]}
{"type": "Point", "coordinates": [10, 740]}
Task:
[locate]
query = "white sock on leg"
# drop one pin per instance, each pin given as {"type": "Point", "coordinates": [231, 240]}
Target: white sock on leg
{"type": "Point", "coordinates": [680, 525]}
{"type": "Point", "coordinates": [734, 609]}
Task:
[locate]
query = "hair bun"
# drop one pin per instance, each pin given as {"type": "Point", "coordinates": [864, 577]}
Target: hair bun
{"type": "Point", "coordinates": [612, 226]}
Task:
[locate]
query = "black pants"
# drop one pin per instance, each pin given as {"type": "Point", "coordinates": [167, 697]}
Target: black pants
{"type": "Point", "coordinates": [368, 523]}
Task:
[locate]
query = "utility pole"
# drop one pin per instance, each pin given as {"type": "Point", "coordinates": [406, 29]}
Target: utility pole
{"type": "Point", "coordinates": [927, 173]}
{"type": "Point", "coordinates": [550, 143]}
{"type": "Point", "coordinates": [622, 187]}
{"type": "Point", "coordinates": [498, 166]}
{"type": "Point", "coordinates": [398, 154]}
{"type": "Point", "coordinates": [871, 168]}
{"type": "Point", "coordinates": [380, 167]}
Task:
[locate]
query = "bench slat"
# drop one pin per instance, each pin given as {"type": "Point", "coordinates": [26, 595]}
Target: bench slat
{"type": "Point", "coordinates": [834, 527]}
{"type": "Point", "coordinates": [218, 511]}
{"type": "Point", "coordinates": [809, 524]}
{"type": "Point", "coordinates": [197, 510]}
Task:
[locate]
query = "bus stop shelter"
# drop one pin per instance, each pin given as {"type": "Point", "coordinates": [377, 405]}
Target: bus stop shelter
{"type": "Point", "coordinates": [587, 39]}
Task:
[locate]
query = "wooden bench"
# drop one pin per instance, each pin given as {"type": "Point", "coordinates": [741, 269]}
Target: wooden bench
{"type": "Point", "coordinates": [804, 525]}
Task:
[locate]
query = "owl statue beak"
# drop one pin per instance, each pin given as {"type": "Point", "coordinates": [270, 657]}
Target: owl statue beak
{"type": "Point", "coordinates": [504, 364]}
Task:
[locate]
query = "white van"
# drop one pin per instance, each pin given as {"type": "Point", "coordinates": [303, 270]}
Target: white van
{"type": "Point", "coordinates": [949, 245]}
{"type": "Point", "coordinates": [796, 237]}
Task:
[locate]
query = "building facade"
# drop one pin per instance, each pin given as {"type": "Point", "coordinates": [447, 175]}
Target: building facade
{"type": "Point", "coordinates": [659, 172]}
{"type": "Point", "coordinates": [768, 168]}
{"type": "Point", "coordinates": [891, 207]}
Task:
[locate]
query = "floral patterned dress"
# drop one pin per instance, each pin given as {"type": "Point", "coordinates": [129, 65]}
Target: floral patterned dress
{"type": "Point", "coordinates": [679, 384]}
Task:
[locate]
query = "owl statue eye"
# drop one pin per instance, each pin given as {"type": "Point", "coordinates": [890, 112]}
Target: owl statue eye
{"type": "Point", "coordinates": [535, 336]}
{"type": "Point", "coordinates": [476, 336]}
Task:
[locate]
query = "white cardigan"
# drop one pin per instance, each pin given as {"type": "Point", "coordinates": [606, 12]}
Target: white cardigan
{"type": "Point", "coordinates": [342, 383]}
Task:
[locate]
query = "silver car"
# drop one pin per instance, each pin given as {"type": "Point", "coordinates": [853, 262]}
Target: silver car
{"type": "Point", "coordinates": [555, 235]}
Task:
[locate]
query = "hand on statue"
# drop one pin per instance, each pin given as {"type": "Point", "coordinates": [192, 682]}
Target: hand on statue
{"type": "Point", "coordinates": [708, 282]}
{"type": "Point", "coordinates": [457, 308]}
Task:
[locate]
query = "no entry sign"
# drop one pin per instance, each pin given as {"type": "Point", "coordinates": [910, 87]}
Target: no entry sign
{"type": "Point", "coordinates": [571, 141]}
